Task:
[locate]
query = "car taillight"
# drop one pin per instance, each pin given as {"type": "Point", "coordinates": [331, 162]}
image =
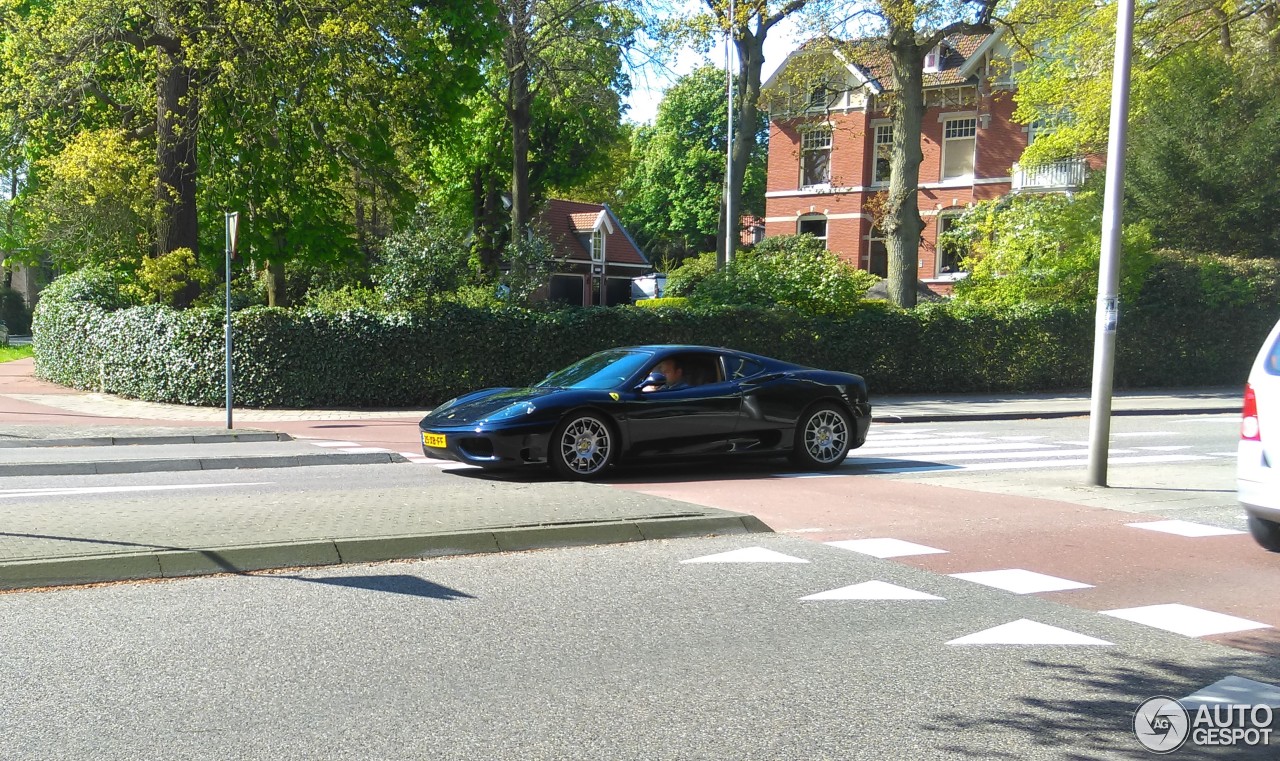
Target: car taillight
{"type": "Point", "coordinates": [1249, 429]}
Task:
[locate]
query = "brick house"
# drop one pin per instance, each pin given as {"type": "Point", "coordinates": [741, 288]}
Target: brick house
{"type": "Point", "coordinates": [829, 147]}
{"type": "Point", "coordinates": [598, 258]}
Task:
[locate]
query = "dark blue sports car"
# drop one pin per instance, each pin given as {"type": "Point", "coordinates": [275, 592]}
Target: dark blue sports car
{"type": "Point", "coordinates": [641, 402]}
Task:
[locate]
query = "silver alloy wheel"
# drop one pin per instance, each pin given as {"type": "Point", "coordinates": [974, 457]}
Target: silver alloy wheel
{"type": "Point", "coordinates": [585, 445]}
{"type": "Point", "coordinates": [826, 436]}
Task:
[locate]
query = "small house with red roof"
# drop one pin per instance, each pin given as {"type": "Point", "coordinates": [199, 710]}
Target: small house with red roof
{"type": "Point", "coordinates": [597, 257]}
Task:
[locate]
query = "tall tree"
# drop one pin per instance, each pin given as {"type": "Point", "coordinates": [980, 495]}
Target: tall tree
{"type": "Point", "coordinates": [309, 93]}
{"type": "Point", "coordinates": [561, 49]}
{"type": "Point", "coordinates": [674, 195]}
{"type": "Point", "coordinates": [748, 23]}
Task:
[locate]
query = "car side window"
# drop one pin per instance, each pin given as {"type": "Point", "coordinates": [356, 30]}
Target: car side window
{"type": "Point", "coordinates": [701, 369]}
{"type": "Point", "coordinates": [741, 367]}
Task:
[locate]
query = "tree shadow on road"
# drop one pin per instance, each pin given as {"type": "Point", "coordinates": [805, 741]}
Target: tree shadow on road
{"type": "Point", "coordinates": [1067, 726]}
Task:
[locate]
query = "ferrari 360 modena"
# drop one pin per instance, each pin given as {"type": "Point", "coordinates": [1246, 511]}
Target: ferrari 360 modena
{"type": "Point", "coordinates": [649, 402]}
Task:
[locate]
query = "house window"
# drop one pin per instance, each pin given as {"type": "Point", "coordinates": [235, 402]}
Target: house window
{"type": "Point", "coordinates": [597, 245]}
{"type": "Point", "coordinates": [816, 160]}
{"type": "Point", "coordinates": [877, 255]}
{"type": "Point", "coordinates": [959, 139]}
{"type": "Point", "coordinates": [815, 226]}
{"type": "Point", "coordinates": [933, 60]}
{"type": "Point", "coordinates": [567, 289]}
{"type": "Point", "coordinates": [950, 253]}
{"type": "Point", "coordinates": [883, 153]}
{"type": "Point", "coordinates": [818, 99]}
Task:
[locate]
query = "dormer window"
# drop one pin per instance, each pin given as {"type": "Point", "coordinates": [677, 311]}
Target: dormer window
{"type": "Point", "coordinates": [597, 245]}
{"type": "Point", "coordinates": [933, 60]}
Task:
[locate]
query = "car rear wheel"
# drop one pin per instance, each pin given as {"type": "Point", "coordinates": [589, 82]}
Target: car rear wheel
{"type": "Point", "coordinates": [1265, 533]}
{"type": "Point", "coordinates": [824, 434]}
{"type": "Point", "coordinates": [582, 446]}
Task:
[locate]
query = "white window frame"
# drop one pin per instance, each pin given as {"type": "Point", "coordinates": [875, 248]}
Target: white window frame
{"type": "Point", "coordinates": [806, 147]}
{"type": "Point", "coordinates": [944, 218]}
{"type": "Point", "coordinates": [872, 236]}
{"type": "Point", "coordinates": [881, 135]}
{"type": "Point", "coordinates": [947, 140]}
{"type": "Point", "coordinates": [933, 60]}
{"type": "Point", "coordinates": [597, 244]}
{"type": "Point", "coordinates": [826, 226]}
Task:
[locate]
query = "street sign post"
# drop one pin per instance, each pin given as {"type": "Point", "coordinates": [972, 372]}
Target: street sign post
{"type": "Point", "coordinates": [233, 228]}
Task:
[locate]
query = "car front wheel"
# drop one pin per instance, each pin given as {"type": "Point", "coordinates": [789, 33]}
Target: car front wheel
{"type": "Point", "coordinates": [1265, 533]}
{"type": "Point", "coordinates": [582, 446]}
{"type": "Point", "coordinates": [823, 436]}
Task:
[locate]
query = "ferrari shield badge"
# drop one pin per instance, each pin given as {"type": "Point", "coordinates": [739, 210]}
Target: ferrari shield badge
{"type": "Point", "coordinates": [614, 395]}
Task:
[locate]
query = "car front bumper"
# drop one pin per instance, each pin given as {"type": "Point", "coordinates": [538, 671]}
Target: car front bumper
{"type": "Point", "coordinates": [506, 447]}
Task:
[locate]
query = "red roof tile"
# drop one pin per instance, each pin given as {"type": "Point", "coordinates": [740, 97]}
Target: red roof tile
{"type": "Point", "coordinates": [565, 220]}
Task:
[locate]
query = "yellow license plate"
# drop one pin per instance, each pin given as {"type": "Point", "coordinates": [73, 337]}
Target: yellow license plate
{"type": "Point", "coordinates": [433, 440]}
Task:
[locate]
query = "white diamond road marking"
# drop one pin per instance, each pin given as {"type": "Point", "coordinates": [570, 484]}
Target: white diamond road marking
{"type": "Point", "coordinates": [1021, 582]}
{"type": "Point", "coordinates": [1185, 620]}
{"type": "Point", "coordinates": [1234, 690]}
{"type": "Point", "coordinates": [1027, 632]}
{"type": "Point", "coordinates": [886, 548]}
{"type": "Point", "coordinates": [747, 555]}
{"type": "Point", "coordinates": [872, 590]}
{"type": "Point", "coordinates": [1185, 528]}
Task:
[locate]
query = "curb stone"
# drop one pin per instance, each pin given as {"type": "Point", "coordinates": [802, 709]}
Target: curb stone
{"type": "Point", "coordinates": [167, 563]}
{"type": "Point", "coordinates": [106, 441]}
{"type": "Point", "coordinates": [197, 463]}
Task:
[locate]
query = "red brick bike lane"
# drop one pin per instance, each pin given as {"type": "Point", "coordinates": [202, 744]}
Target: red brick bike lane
{"type": "Point", "coordinates": [1127, 567]}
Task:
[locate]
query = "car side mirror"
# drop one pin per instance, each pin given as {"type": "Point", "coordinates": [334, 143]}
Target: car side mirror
{"type": "Point", "coordinates": [654, 378]}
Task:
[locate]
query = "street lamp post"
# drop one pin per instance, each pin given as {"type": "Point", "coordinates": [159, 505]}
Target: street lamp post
{"type": "Point", "coordinates": [728, 175]}
{"type": "Point", "coordinates": [232, 220]}
{"type": "Point", "coordinates": [1108, 310]}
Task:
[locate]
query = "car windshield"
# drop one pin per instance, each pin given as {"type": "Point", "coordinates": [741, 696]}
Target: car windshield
{"type": "Point", "coordinates": [602, 370]}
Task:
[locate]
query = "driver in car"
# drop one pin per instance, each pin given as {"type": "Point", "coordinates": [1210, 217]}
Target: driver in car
{"type": "Point", "coordinates": [675, 376]}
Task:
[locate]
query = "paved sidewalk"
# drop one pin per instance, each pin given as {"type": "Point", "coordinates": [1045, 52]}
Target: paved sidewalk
{"type": "Point", "coordinates": [93, 544]}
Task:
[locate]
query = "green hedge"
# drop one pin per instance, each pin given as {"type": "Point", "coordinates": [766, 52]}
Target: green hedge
{"type": "Point", "coordinates": [298, 358]}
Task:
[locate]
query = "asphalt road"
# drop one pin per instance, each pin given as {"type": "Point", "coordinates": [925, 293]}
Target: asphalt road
{"type": "Point", "coordinates": [618, 652]}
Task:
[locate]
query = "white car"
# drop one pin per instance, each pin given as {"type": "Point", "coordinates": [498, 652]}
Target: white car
{"type": "Point", "coordinates": [1258, 468]}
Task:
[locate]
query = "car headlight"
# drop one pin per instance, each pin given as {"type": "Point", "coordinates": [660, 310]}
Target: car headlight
{"type": "Point", "coordinates": [515, 410]}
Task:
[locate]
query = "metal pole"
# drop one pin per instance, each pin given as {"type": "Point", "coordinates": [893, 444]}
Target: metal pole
{"type": "Point", "coordinates": [728, 175]}
{"type": "Point", "coordinates": [227, 223]}
{"type": "Point", "coordinates": [1108, 309]}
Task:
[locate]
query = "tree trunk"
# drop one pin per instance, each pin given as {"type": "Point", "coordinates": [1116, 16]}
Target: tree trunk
{"type": "Point", "coordinates": [519, 113]}
{"type": "Point", "coordinates": [1271, 27]}
{"type": "Point", "coordinates": [176, 127]}
{"type": "Point", "coordinates": [902, 222]}
{"type": "Point", "coordinates": [277, 295]}
{"type": "Point", "coordinates": [1224, 30]}
{"type": "Point", "coordinates": [746, 100]}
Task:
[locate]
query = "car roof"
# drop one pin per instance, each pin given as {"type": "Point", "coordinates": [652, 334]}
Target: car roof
{"type": "Point", "coordinates": [664, 349]}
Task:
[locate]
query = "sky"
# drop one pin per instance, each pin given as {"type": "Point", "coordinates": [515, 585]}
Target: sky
{"type": "Point", "coordinates": [648, 86]}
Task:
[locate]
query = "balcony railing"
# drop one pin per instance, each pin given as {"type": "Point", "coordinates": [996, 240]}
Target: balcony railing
{"type": "Point", "coordinates": [1064, 174]}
